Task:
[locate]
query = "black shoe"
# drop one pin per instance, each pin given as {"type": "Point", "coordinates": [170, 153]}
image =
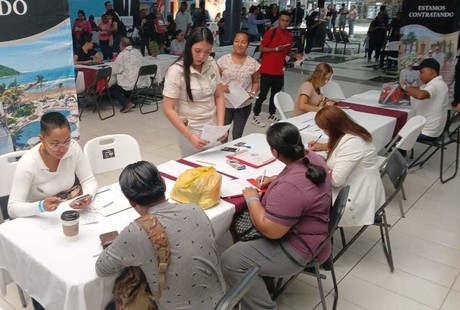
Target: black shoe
{"type": "Point", "coordinates": [128, 108]}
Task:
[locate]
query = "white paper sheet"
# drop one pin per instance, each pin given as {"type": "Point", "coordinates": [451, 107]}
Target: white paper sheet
{"type": "Point", "coordinates": [173, 168]}
{"type": "Point", "coordinates": [234, 187]}
{"type": "Point", "coordinates": [237, 94]}
{"type": "Point", "coordinates": [211, 133]}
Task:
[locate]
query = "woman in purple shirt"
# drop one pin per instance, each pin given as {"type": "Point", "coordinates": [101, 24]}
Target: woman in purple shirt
{"type": "Point", "coordinates": [299, 198]}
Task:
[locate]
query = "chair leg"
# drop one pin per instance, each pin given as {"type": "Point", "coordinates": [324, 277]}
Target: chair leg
{"type": "Point", "coordinates": [154, 97]}
{"type": "Point", "coordinates": [98, 102]}
{"type": "Point", "coordinates": [419, 162]}
{"type": "Point", "coordinates": [320, 284]}
{"type": "Point", "coordinates": [22, 297]}
{"type": "Point", "coordinates": [403, 192]}
{"type": "Point", "coordinates": [401, 207]}
{"type": "Point", "coordinates": [350, 243]}
{"type": "Point", "coordinates": [334, 282]}
{"type": "Point", "coordinates": [342, 236]}
{"type": "Point", "coordinates": [456, 162]}
{"type": "Point", "coordinates": [384, 233]}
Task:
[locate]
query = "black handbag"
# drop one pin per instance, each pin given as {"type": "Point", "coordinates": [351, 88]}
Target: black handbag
{"type": "Point", "coordinates": [244, 228]}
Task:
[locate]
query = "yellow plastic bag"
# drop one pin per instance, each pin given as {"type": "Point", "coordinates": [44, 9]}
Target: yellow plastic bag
{"type": "Point", "coordinates": [199, 185]}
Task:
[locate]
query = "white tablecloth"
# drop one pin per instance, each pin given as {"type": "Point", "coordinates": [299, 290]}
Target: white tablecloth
{"type": "Point", "coordinates": [380, 127]}
{"type": "Point", "coordinates": [61, 274]}
{"type": "Point", "coordinates": [371, 98]}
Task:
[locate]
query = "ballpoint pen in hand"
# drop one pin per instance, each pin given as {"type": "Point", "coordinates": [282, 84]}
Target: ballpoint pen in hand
{"type": "Point", "coordinates": [262, 179]}
{"type": "Point", "coordinates": [317, 139]}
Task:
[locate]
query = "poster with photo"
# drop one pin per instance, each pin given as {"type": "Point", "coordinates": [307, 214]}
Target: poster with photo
{"type": "Point", "coordinates": [36, 70]}
{"type": "Point", "coordinates": [430, 31]}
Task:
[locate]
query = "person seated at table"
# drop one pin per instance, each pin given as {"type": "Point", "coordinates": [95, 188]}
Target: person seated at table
{"type": "Point", "coordinates": [192, 96]}
{"type": "Point", "coordinates": [193, 277]}
{"type": "Point", "coordinates": [238, 67]}
{"type": "Point", "coordinates": [126, 69]}
{"type": "Point", "coordinates": [298, 198]}
{"type": "Point", "coordinates": [309, 97]}
{"type": "Point", "coordinates": [433, 99]}
{"type": "Point", "coordinates": [49, 168]}
{"type": "Point", "coordinates": [86, 54]}
{"type": "Point", "coordinates": [352, 161]}
{"type": "Point", "coordinates": [178, 44]}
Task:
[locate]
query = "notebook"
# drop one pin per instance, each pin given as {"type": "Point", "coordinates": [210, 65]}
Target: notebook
{"type": "Point", "coordinates": [252, 158]}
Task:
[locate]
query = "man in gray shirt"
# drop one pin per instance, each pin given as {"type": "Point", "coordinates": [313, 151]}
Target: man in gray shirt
{"type": "Point", "coordinates": [193, 277]}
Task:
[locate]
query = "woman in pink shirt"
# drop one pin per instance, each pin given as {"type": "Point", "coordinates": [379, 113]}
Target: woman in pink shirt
{"type": "Point", "coordinates": [81, 27]}
{"type": "Point", "coordinates": [105, 34]}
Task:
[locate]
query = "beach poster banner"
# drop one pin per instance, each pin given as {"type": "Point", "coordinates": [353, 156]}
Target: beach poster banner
{"type": "Point", "coordinates": [36, 70]}
{"type": "Point", "coordinates": [430, 31]}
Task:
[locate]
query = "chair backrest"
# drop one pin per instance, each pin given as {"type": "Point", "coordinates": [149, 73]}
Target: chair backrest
{"type": "Point", "coordinates": [234, 295]}
{"type": "Point", "coordinates": [453, 124]}
{"type": "Point", "coordinates": [344, 36]}
{"type": "Point", "coordinates": [337, 36]}
{"type": "Point", "coordinates": [283, 103]}
{"type": "Point", "coordinates": [333, 90]}
{"type": "Point", "coordinates": [8, 164]}
{"type": "Point", "coordinates": [111, 152]}
{"type": "Point", "coordinates": [396, 169]}
{"type": "Point", "coordinates": [148, 70]}
{"type": "Point", "coordinates": [393, 46]}
{"type": "Point", "coordinates": [335, 215]}
{"type": "Point", "coordinates": [330, 35]}
{"type": "Point", "coordinates": [103, 73]}
{"type": "Point", "coordinates": [410, 131]}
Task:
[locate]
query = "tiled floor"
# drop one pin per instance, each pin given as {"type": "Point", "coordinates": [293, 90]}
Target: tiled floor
{"type": "Point", "coordinates": [426, 244]}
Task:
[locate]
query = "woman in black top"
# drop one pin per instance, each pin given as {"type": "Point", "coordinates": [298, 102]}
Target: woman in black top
{"type": "Point", "coordinates": [86, 54]}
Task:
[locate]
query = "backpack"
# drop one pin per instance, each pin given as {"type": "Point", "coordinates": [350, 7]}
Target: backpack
{"type": "Point", "coordinates": [159, 25]}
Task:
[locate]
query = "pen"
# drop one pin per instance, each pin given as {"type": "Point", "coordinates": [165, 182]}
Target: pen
{"type": "Point", "coordinates": [107, 189]}
{"type": "Point", "coordinates": [106, 205]}
{"type": "Point", "coordinates": [40, 190]}
{"type": "Point", "coordinates": [317, 139]}
{"type": "Point", "coordinates": [262, 178]}
{"type": "Point", "coordinates": [205, 162]}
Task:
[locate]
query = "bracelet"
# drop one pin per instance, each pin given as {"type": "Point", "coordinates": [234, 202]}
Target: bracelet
{"type": "Point", "coordinates": [248, 201]}
{"type": "Point", "coordinates": [40, 206]}
{"type": "Point", "coordinates": [404, 87]}
{"type": "Point", "coordinates": [276, 49]}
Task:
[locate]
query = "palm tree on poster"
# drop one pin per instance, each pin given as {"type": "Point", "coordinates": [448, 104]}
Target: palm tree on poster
{"type": "Point", "coordinates": [60, 86]}
{"type": "Point", "coordinates": [409, 40]}
{"type": "Point", "coordinates": [40, 79]}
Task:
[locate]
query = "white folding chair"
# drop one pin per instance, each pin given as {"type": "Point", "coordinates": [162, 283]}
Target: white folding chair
{"type": "Point", "coordinates": [404, 140]}
{"type": "Point", "coordinates": [333, 90]}
{"type": "Point", "coordinates": [283, 103]}
{"type": "Point", "coordinates": [8, 163]}
{"type": "Point", "coordinates": [111, 152]}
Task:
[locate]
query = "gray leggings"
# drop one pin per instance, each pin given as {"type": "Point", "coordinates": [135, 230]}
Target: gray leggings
{"type": "Point", "coordinates": [239, 118]}
{"type": "Point", "coordinates": [272, 261]}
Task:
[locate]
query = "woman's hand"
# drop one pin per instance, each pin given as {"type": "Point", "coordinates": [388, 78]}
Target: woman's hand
{"type": "Point", "coordinates": [315, 146]}
{"type": "Point", "coordinates": [223, 137]}
{"type": "Point", "coordinates": [266, 181]}
{"type": "Point", "coordinates": [225, 88]}
{"type": "Point", "coordinates": [329, 102]}
{"type": "Point", "coordinates": [197, 142]}
{"type": "Point", "coordinates": [81, 204]}
{"type": "Point", "coordinates": [50, 204]}
{"type": "Point", "coordinates": [251, 192]}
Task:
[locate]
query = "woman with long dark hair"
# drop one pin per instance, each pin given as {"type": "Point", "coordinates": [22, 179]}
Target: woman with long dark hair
{"type": "Point", "coordinates": [118, 29]}
{"type": "Point", "coordinates": [292, 216]}
{"type": "Point", "coordinates": [352, 161]}
{"type": "Point", "coordinates": [192, 96]}
{"type": "Point", "coordinates": [309, 97]}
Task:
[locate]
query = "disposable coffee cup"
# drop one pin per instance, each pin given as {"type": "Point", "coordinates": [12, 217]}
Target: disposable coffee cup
{"type": "Point", "coordinates": [70, 223]}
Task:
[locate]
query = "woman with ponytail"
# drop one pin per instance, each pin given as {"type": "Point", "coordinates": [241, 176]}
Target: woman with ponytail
{"type": "Point", "coordinates": [292, 216]}
{"type": "Point", "coordinates": [353, 161]}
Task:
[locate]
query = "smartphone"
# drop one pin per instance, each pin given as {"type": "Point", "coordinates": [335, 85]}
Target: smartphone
{"type": "Point", "coordinates": [81, 198]}
{"type": "Point", "coordinates": [229, 149]}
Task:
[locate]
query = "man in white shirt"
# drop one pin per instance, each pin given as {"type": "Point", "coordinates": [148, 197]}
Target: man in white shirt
{"type": "Point", "coordinates": [125, 68]}
{"type": "Point", "coordinates": [433, 99]}
{"type": "Point", "coordinates": [439, 56]}
{"type": "Point", "coordinates": [183, 19]}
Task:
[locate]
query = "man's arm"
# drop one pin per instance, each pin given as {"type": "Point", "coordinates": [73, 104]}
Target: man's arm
{"type": "Point", "coordinates": [415, 92]}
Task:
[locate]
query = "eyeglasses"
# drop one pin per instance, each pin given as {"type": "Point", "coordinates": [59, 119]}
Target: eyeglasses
{"type": "Point", "coordinates": [58, 146]}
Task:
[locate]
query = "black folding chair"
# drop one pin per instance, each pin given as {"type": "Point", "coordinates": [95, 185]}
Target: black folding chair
{"type": "Point", "coordinates": [396, 170]}
{"type": "Point", "coordinates": [146, 93]}
{"type": "Point", "coordinates": [97, 90]}
{"type": "Point", "coordinates": [335, 216]}
{"type": "Point", "coordinates": [234, 295]}
{"type": "Point", "coordinates": [451, 134]}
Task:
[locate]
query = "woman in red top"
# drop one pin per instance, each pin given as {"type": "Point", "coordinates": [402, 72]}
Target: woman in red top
{"type": "Point", "coordinates": [81, 27]}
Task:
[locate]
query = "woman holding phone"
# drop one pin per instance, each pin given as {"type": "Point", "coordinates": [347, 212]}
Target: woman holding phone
{"type": "Point", "coordinates": [50, 169]}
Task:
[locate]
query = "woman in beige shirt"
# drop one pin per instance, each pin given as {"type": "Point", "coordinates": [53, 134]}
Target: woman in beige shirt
{"type": "Point", "coordinates": [309, 96]}
{"type": "Point", "coordinates": [192, 95]}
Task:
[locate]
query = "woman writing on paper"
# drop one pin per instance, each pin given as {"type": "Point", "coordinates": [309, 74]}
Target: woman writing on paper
{"type": "Point", "coordinates": [237, 67]}
{"type": "Point", "coordinates": [192, 94]}
{"type": "Point", "coordinates": [309, 96]}
{"type": "Point", "coordinates": [49, 168]}
{"type": "Point", "coordinates": [299, 197]}
{"type": "Point", "coordinates": [352, 161]}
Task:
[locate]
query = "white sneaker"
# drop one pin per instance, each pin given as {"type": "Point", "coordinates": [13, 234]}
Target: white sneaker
{"type": "Point", "coordinates": [258, 121]}
{"type": "Point", "coordinates": [273, 119]}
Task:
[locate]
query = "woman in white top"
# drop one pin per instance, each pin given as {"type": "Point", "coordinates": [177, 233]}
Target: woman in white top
{"type": "Point", "coordinates": [242, 69]}
{"type": "Point", "coordinates": [352, 161]}
{"type": "Point", "coordinates": [192, 96]}
{"type": "Point", "coordinates": [49, 168]}
{"type": "Point", "coordinates": [178, 44]}
{"type": "Point", "coordinates": [309, 97]}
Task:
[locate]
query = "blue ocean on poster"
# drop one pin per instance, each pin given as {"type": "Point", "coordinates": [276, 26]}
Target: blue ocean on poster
{"type": "Point", "coordinates": [48, 74]}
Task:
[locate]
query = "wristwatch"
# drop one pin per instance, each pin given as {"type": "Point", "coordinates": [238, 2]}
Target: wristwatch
{"type": "Point", "coordinates": [404, 87]}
